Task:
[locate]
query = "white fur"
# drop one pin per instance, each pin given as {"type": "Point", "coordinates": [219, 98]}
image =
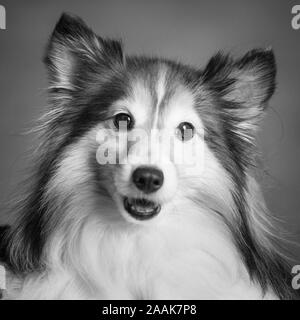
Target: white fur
{"type": "Point", "coordinates": [160, 92]}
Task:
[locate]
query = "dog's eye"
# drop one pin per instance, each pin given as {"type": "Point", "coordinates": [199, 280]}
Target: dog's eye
{"type": "Point", "coordinates": [122, 120]}
{"type": "Point", "coordinates": [185, 131]}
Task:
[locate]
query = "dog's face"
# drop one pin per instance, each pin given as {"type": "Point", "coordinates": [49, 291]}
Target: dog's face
{"type": "Point", "coordinates": [146, 134]}
{"type": "Point", "coordinates": [160, 126]}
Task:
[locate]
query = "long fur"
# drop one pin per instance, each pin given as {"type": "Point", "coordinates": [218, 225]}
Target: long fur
{"type": "Point", "coordinates": [215, 238]}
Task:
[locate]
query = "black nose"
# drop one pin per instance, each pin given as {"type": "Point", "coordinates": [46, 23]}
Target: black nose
{"type": "Point", "coordinates": [148, 179]}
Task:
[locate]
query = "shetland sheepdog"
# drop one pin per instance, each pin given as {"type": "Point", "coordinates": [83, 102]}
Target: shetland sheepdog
{"type": "Point", "coordinates": [101, 219]}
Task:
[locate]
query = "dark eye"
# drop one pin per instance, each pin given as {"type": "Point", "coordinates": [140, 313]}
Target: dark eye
{"type": "Point", "coordinates": [185, 131]}
{"type": "Point", "coordinates": [122, 121]}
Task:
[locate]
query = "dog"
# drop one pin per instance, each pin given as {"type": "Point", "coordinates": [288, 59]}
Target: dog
{"type": "Point", "coordinates": [140, 228]}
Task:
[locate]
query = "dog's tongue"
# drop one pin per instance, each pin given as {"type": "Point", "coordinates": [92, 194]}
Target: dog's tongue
{"type": "Point", "coordinates": [141, 208]}
{"type": "Point", "coordinates": [142, 205]}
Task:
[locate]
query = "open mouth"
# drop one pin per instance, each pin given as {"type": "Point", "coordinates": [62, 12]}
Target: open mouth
{"type": "Point", "coordinates": [141, 209]}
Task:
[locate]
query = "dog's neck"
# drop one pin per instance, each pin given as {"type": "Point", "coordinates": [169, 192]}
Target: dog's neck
{"type": "Point", "coordinates": [179, 256]}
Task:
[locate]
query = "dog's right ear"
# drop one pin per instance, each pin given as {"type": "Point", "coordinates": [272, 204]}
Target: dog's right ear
{"type": "Point", "coordinates": [74, 49]}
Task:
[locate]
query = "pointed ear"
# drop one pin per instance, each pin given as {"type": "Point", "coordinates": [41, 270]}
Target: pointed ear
{"type": "Point", "coordinates": [74, 48]}
{"type": "Point", "coordinates": [245, 85]}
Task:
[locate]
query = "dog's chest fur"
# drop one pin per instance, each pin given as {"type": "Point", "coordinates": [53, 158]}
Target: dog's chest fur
{"type": "Point", "coordinates": [177, 259]}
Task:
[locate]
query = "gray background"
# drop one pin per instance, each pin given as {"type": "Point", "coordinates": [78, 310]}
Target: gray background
{"type": "Point", "coordinates": [191, 31]}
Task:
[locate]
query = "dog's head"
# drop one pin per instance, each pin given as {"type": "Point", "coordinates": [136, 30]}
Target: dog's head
{"type": "Point", "coordinates": [148, 132]}
{"type": "Point", "coordinates": [143, 140]}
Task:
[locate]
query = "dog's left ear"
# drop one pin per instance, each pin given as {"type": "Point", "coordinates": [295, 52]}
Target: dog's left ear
{"type": "Point", "coordinates": [244, 85]}
{"type": "Point", "coordinates": [74, 49]}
